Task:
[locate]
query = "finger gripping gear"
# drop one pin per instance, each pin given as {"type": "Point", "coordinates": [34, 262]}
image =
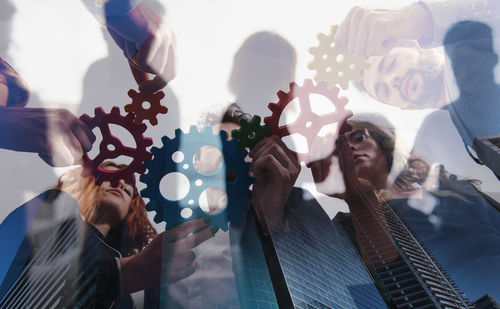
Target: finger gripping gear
{"type": "Point", "coordinates": [250, 132]}
{"type": "Point", "coordinates": [141, 113]}
{"type": "Point", "coordinates": [335, 64]}
{"type": "Point", "coordinates": [308, 123]}
{"type": "Point", "coordinates": [111, 147]}
{"type": "Point", "coordinates": [232, 177]}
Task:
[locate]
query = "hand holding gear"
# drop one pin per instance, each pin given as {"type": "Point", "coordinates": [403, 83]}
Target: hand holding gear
{"type": "Point", "coordinates": [250, 132]}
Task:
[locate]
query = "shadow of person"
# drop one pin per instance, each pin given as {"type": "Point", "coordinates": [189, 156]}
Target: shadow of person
{"type": "Point", "coordinates": [476, 112]}
{"type": "Point", "coordinates": [24, 174]}
{"type": "Point", "coordinates": [264, 64]}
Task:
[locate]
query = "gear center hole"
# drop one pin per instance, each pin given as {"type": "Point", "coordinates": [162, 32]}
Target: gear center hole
{"type": "Point", "coordinates": [174, 186]}
{"type": "Point", "coordinates": [207, 160]}
{"type": "Point", "coordinates": [146, 105]}
{"type": "Point", "coordinates": [213, 200]}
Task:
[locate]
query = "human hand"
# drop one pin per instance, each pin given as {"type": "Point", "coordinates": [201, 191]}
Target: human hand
{"type": "Point", "coordinates": [275, 169]}
{"type": "Point", "coordinates": [169, 254]}
{"type": "Point", "coordinates": [355, 187]}
{"type": "Point", "coordinates": [148, 43]}
{"type": "Point", "coordinates": [374, 32]}
{"type": "Point", "coordinates": [57, 135]}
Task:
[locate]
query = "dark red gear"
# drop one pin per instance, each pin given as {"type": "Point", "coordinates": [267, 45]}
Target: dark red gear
{"type": "Point", "coordinates": [139, 154]}
{"type": "Point", "coordinates": [141, 113]}
{"type": "Point", "coordinates": [308, 123]}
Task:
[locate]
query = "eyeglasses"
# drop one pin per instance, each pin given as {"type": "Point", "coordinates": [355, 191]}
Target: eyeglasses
{"type": "Point", "coordinates": [358, 136]}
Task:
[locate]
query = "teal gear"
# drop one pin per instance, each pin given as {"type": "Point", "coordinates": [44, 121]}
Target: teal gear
{"type": "Point", "coordinates": [232, 177]}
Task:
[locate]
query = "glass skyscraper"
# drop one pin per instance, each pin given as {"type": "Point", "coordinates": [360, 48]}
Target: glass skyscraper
{"type": "Point", "coordinates": [320, 265]}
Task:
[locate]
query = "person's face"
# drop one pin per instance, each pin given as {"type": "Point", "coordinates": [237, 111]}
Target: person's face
{"type": "Point", "coordinates": [367, 155]}
{"type": "Point", "coordinates": [406, 77]}
{"type": "Point", "coordinates": [115, 201]}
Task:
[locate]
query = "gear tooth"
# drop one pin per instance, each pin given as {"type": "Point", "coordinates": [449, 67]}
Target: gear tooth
{"type": "Point", "coordinates": [159, 95]}
{"type": "Point", "coordinates": [308, 83]}
{"type": "Point", "coordinates": [128, 108]}
{"type": "Point", "coordinates": [281, 94]}
{"type": "Point", "coordinates": [235, 133]}
{"type": "Point", "coordinates": [313, 50]}
{"type": "Point", "coordinates": [207, 130]}
{"type": "Point", "coordinates": [193, 129]}
{"type": "Point", "coordinates": [165, 140]}
{"type": "Point", "coordinates": [143, 127]}
{"type": "Point", "coordinates": [344, 85]}
{"type": "Point", "coordinates": [333, 29]}
{"type": "Point", "coordinates": [85, 118]}
{"type": "Point", "coordinates": [321, 37]}
{"type": "Point", "coordinates": [293, 85]}
{"type": "Point", "coordinates": [144, 192]}
{"type": "Point", "coordinates": [157, 218]}
{"type": "Point", "coordinates": [273, 107]}
{"type": "Point", "coordinates": [155, 151]}
{"type": "Point", "coordinates": [132, 93]}
{"type": "Point", "coordinates": [178, 132]}
{"type": "Point", "coordinates": [148, 206]}
{"type": "Point", "coordinates": [115, 111]}
{"type": "Point", "coordinates": [98, 111]}
{"type": "Point", "coordinates": [256, 119]}
{"type": "Point", "coordinates": [223, 135]}
{"type": "Point", "coordinates": [268, 120]}
{"type": "Point", "coordinates": [141, 169]}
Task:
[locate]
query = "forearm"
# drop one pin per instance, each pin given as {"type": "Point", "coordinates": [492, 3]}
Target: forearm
{"type": "Point", "coordinates": [131, 279]}
{"type": "Point", "coordinates": [15, 126]}
{"type": "Point", "coordinates": [106, 8]}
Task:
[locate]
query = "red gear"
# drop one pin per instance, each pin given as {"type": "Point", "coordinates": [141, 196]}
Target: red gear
{"type": "Point", "coordinates": [308, 123]}
{"type": "Point", "coordinates": [139, 154]}
{"type": "Point", "coordinates": [141, 113]}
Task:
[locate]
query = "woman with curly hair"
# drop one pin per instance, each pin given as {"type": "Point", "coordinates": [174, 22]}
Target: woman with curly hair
{"type": "Point", "coordinates": [92, 246]}
{"type": "Point", "coordinates": [126, 227]}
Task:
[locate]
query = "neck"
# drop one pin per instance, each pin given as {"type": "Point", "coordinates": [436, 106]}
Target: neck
{"type": "Point", "coordinates": [380, 181]}
{"type": "Point", "coordinates": [104, 228]}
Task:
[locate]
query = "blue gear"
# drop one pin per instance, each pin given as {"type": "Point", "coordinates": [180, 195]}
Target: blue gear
{"type": "Point", "coordinates": [237, 189]}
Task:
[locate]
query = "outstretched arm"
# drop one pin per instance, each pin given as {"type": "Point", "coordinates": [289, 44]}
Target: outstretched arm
{"type": "Point", "coordinates": [275, 169]}
{"type": "Point", "coordinates": [145, 39]}
{"type": "Point", "coordinates": [56, 135]}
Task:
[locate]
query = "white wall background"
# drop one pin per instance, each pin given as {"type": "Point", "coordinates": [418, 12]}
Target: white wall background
{"type": "Point", "coordinates": [55, 41]}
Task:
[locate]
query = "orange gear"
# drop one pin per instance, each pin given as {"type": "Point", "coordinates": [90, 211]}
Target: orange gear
{"type": "Point", "coordinates": [141, 113]}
